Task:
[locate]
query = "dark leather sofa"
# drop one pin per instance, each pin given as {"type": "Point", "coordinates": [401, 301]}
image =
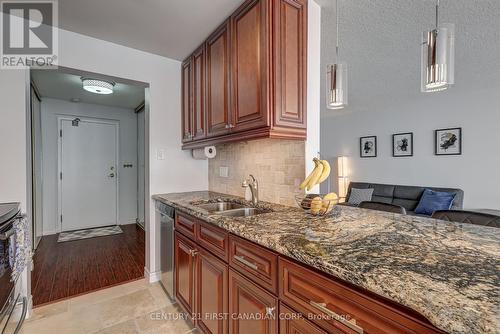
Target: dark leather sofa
{"type": "Point", "coordinates": [405, 196]}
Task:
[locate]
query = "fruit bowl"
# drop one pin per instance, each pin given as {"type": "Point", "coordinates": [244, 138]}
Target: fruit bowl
{"type": "Point", "coordinates": [317, 205]}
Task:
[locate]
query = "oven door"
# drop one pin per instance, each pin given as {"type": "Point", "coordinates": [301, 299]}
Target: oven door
{"type": "Point", "coordinates": [16, 311]}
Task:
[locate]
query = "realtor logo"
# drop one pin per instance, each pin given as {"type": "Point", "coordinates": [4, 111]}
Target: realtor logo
{"type": "Point", "coordinates": [29, 34]}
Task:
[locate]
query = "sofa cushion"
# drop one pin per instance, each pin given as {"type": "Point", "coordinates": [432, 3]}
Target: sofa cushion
{"type": "Point", "coordinates": [360, 195]}
{"type": "Point", "coordinates": [433, 201]}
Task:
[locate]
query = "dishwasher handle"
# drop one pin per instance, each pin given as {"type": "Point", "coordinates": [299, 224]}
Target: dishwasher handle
{"type": "Point", "coordinates": [165, 209]}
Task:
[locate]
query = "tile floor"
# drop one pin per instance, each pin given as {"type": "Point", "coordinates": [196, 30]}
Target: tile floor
{"type": "Point", "coordinates": [136, 307]}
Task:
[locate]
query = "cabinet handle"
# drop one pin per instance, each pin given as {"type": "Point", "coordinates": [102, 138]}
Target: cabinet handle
{"type": "Point", "coordinates": [349, 323]}
{"type": "Point", "coordinates": [231, 126]}
{"type": "Point", "coordinates": [228, 126]}
{"type": "Point", "coordinates": [246, 262]}
{"type": "Point", "coordinates": [269, 311]}
{"type": "Point", "coordinates": [193, 252]}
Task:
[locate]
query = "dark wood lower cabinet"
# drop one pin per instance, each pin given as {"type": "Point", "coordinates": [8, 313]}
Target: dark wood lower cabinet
{"type": "Point", "coordinates": [292, 322]}
{"type": "Point", "coordinates": [211, 294]}
{"type": "Point", "coordinates": [242, 297]}
{"type": "Point", "coordinates": [252, 309]}
{"type": "Point", "coordinates": [184, 271]}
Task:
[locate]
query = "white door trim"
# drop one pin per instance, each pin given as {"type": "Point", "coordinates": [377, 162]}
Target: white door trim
{"type": "Point", "coordinates": [116, 124]}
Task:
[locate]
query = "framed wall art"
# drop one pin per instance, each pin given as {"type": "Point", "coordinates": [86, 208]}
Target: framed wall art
{"type": "Point", "coordinates": [448, 141]}
{"type": "Point", "coordinates": [368, 147]}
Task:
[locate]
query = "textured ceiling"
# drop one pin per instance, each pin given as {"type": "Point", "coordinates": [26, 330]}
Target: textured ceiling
{"type": "Point", "coordinates": [66, 86]}
{"type": "Point", "coordinates": [380, 42]}
{"type": "Point", "coordinates": [171, 28]}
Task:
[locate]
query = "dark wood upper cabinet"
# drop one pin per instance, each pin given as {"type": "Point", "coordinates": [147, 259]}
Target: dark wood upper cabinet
{"type": "Point", "coordinates": [198, 114]}
{"type": "Point", "coordinates": [187, 100]}
{"type": "Point", "coordinates": [212, 291]}
{"type": "Point", "coordinates": [255, 76]}
{"type": "Point", "coordinates": [218, 79]}
{"type": "Point", "coordinates": [290, 64]}
{"type": "Point", "coordinates": [249, 55]}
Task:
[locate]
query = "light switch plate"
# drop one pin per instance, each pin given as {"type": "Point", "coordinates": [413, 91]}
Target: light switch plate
{"type": "Point", "coordinates": [160, 154]}
{"type": "Point", "coordinates": [224, 171]}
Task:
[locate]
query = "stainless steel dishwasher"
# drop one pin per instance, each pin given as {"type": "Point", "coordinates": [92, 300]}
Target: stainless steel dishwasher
{"type": "Point", "coordinates": [167, 214]}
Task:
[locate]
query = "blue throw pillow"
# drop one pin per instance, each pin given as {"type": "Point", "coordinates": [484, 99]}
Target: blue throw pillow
{"type": "Point", "coordinates": [434, 200]}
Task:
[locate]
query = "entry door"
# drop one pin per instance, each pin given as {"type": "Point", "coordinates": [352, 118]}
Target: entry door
{"type": "Point", "coordinates": [88, 177]}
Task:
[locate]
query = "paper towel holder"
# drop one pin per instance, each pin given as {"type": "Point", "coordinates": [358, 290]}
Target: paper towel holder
{"type": "Point", "coordinates": [208, 152]}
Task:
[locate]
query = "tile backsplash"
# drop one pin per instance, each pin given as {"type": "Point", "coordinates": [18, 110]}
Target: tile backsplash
{"type": "Point", "coordinates": [278, 165]}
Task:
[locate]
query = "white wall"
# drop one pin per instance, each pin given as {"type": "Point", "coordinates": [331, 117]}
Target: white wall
{"type": "Point", "coordinates": [313, 85]}
{"type": "Point", "coordinates": [51, 110]}
{"type": "Point", "coordinates": [476, 171]}
{"type": "Point", "coordinates": [383, 58]}
{"type": "Point", "coordinates": [178, 172]}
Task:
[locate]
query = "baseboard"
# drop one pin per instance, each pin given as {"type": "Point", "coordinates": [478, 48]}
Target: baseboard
{"type": "Point", "coordinates": [30, 307]}
{"type": "Point", "coordinates": [128, 222]}
{"type": "Point", "coordinates": [152, 277]}
{"type": "Point", "coordinates": [49, 233]}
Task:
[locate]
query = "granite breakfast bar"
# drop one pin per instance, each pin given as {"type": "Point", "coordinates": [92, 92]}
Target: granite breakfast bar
{"type": "Point", "coordinates": [447, 272]}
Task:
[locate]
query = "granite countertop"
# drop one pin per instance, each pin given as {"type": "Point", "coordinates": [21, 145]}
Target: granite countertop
{"type": "Point", "coordinates": [448, 272]}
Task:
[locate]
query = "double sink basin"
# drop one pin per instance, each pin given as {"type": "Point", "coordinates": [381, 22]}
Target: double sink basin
{"type": "Point", "coordinates": [230, 209]}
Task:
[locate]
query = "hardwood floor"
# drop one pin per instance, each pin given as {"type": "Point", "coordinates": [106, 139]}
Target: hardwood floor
{"type": "Point", "coordinates": [67, 269]}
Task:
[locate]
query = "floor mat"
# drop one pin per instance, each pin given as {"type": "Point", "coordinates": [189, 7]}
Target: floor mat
{"type": "Point", "coordinates": [89, 233]}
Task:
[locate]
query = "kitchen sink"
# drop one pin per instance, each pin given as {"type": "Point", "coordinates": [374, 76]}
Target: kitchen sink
{"type": "Point", "coordinates": [242, 212]}
{"type": "Point", "coordinates": [220, 206]}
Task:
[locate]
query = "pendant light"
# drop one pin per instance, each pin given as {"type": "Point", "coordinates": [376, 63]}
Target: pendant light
{"type": "Point", "coordinates": [336, 77]}
{"type": "Point", "coordinates": [438, 56]}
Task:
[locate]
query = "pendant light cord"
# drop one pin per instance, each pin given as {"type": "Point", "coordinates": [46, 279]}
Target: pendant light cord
{"type": "Point", "coordinates": [437, 14]}
{"type": "Point", "coordinates": [338, 33]}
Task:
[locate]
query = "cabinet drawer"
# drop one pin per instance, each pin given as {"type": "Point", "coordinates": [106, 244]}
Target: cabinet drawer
{"type": "Point", "coordinates": [336, 306]}
{"type": "Point", "coordinates": [213, 238]}
{"type": "Point", "coordinates": [293, 323]}
{"type": "Point", "coordinates": [185, 224]}
{"type": "Point", "coordinates": [255, 262]}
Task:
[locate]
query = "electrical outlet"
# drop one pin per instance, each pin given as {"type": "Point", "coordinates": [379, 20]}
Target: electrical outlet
{"type": "Point", "coordinates": [160, 154]}
{"type": "Point", "coordinates": [224, 171]}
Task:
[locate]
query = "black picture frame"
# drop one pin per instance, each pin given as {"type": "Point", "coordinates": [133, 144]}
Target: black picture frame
{"type": "Point", "coordinates": [395, 138]}
{"type": "Point", "coordinates": [361, 151]}
{"type": "Point", "coordinates": [439, 150]}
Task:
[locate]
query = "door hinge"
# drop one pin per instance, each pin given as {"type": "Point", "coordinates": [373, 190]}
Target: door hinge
{"type": "Point", "coordinates": [60, 133]}
{"type": "Point", "coordinates": [61, 218]}
{"type": "Point", "coordinates": [60, 176]}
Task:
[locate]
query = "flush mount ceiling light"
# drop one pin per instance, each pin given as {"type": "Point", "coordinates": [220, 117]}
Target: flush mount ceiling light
{"type": "Point", "coordinates": [336, 77]}
{"type": "Point", "coordinates": [98, 86]}
{"type": "Point", "coordinates": [438, 56]}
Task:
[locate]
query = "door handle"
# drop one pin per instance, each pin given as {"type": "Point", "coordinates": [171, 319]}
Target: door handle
{"type": "Point", "coordinates": [7, 235]}
{"type": "Point", "coordinates": [111, 175]}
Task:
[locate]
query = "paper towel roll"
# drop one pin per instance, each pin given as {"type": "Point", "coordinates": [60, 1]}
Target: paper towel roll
{"type": "Point", "coordinates": [208, 152]}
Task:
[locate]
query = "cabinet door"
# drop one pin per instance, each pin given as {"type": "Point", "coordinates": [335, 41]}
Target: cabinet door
{"type": "Point", "coordinates": [249, 61]}
{"type": "Point", "coordinates": [184, 255]}
{"type": "Point", "coordinates": [294, 323]}
{"type": "Point", "coordinates": [212, 290]}
{"type": "Point", "coordinates": [217, 73]}
{"type": "Point", "coordinates": [290, 60]}
{"type": "Point", "coordinates": [187, 100]}
{"type": "Point", "coordinates": [253, 310]}
{"type": "Point", "coordinates": [198, 115]}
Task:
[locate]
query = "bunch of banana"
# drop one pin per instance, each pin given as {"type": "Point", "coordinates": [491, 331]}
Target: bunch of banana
{"type": "Point", "coordinates": [319, 174]}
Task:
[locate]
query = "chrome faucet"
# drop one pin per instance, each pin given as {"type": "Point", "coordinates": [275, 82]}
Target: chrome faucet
{"type": "Point", "coordinates": [252, 183]}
